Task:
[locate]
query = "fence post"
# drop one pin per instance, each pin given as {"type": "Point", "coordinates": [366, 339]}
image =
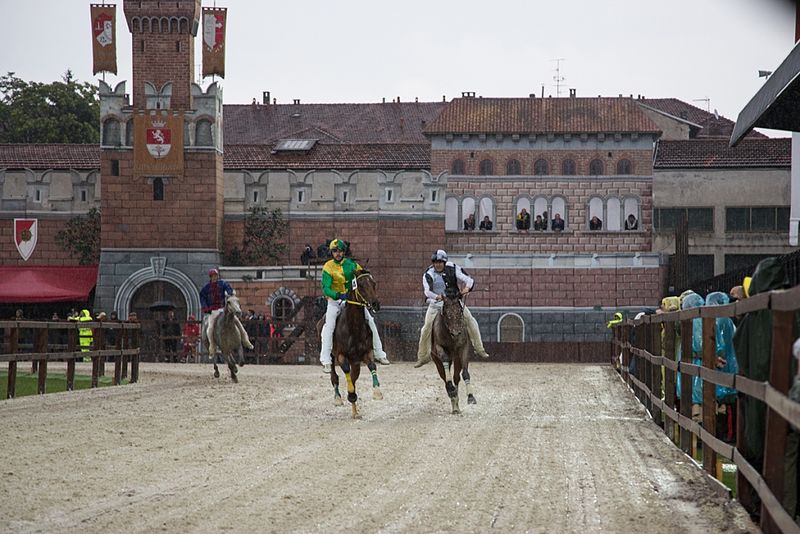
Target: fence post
{"type": "Point", "coordinates": [40, 346]}
{"type": "Point", "coordinates": [686, 384]}
{"type": "Point", "coordinates": [626, 352]}
{"type": "Point", "coordinates": [13, 346]}
{"type": "Point", "coordinates": [72, 344]}
{"type": "Point", "coordinates": [99, 339]}
{"type": "Point", "coordinates": [669, 376]}
{"type": "Point", "coordinates": [776, 427]}
{"type": "Point", "coordinates": [709, 393]}
{"type": "Point", "coordinates": [655, 370]}
{"type": "Point", "coordinates": [122, 344]}
{"type": "Point", "coordinates": [135, 358]}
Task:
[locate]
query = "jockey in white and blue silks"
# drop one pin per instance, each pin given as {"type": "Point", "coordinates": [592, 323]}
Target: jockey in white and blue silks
{"type": "Point", "coordinates": [212, 299]}
{"type": "Point", "coordinates": [440, 276]}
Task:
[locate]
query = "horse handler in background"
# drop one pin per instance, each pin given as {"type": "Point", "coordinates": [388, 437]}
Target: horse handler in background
{"type": "Point", "coordinates": [440, 276]}
{"type": "Point", "coordinates": [337, 278]}
{"type": "Point", "coordinates": [212, 298]}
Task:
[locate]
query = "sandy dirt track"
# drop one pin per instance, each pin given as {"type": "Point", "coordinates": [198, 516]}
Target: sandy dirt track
{"type": "Point", "coordinates": [548, 448]}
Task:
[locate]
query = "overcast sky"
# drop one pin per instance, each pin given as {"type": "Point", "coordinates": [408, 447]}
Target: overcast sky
{"type": "Point", "coordinates": [365, 50]}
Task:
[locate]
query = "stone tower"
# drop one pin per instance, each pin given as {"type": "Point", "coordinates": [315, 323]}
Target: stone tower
{"type": "Point", "coordinates": [161, 223]}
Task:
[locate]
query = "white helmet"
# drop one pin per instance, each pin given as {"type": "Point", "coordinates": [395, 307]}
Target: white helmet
{"type": "Point", "coordinates": [439, 255]}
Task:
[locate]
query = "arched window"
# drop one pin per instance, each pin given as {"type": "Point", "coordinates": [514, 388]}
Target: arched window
{"type": "Point", "coordinates": [596, 210]}
{"type": "Point", "coordinates": [540, 208]}
{"type": "Point", "coordinates": [624, 166]}
{"type": "Point", "coordinates": [523, 202]}
{"type": "Point", "coordinates": [451, 221]}
{"type": "Point", "coordinates": [158, 189]}
{"type": "Point", "coordinates": [559, 207]}
{"type": "Point", "coordinates": [111, 132]}
{"type": "Point", "coordinates": [458, 167]}
{"type": "Point", "coordinates": [203, 136]}
{"type": "Point", "coordinates": [486, 167]}
{"type": "Point", "coordinates": [632, 208]}
{"type": "Point", "coordinates": [596, 167]}
{"type": "Point", "coordinates": [540, 167]}
{"type": "Point", "coordinates": [129, 133]}
{"type": "Point", "coordinates": [613, 215]}
{"type": "Point", "coordinates": [485, 207]}
{"type": "Point", "coordinates": [513, 168]}
{"type": "Point", "coordinates": [282, 308]}
{"type": "Point", "coordinates": [467, 208]}
{"type": "Point", "coordinates": [568, 167]}
{"type": "Point", "coordinates": [511, 329]}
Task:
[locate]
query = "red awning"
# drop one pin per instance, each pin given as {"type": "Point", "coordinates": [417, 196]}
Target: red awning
{"type": "Point", "coordinates": [43, 283]}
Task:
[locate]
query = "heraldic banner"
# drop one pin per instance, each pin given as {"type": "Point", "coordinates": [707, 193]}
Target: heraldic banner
{"type": "Point", "coordinates": [104, 38]}
{"type": "Point", "coordinates": [158, 143]}
{"type": "Point", "coordinates": [214, 40]}
{"type": "Point", "coordinates": [26, 233]}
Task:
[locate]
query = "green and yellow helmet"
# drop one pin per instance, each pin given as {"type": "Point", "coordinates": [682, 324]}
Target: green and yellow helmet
{"type": "Point", "coordinates": [338, 244]}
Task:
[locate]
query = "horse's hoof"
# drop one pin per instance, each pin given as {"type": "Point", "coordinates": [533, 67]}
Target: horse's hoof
{"type": "Point", "coordinates": [471, 399]}
{"type": "Point", "coordinates": [235, 379]}
{"type": "Point", "coordinates": [216, 374]}
{"type": "Point", "coordinates": [456, 411]}
{"type": "Point", "coordinates": [337, 401]}
{"type": "Point", "coordinates": [376, 394]}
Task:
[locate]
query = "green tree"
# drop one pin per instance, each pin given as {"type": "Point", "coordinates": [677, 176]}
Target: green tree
{"type": "Point", "coordinates": [264, 235]}
{"type": "Point", "coordinates": [81, 237]}
{"type": "Point", "coordinates": [64, 111]}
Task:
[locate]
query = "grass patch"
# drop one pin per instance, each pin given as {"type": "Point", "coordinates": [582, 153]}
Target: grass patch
{"type": "Point", "coordinates": [27, 383]}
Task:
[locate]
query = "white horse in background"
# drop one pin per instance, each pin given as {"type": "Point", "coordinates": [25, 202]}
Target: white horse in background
{"type": "Point", "coordinates": [224, 333]}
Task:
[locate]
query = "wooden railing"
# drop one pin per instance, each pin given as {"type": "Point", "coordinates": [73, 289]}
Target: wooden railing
{"type": "Point", "coordinates": [651, 358]}
{"type": "Point", "coordinates": [41, 342]}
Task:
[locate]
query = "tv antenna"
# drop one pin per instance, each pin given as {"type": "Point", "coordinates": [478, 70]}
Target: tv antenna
{"type": "Point", "coordinates": [558, 78]}
{"type": "Point", "coordinates": [706, 100]}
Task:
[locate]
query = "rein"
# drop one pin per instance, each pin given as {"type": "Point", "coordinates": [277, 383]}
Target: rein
{"type": "Point", "coordinates": [362, 301]}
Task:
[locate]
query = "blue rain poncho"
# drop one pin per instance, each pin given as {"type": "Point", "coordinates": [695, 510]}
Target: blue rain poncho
{"type": "Point", "coordinates": [693, 300]}
{"type": "Point", "coordinates": [724, 340]}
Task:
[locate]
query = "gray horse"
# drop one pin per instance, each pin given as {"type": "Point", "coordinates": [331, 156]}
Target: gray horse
{"type": "Point", "coordinates": [228, 336]}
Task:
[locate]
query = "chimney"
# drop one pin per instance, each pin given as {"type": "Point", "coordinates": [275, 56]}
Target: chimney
{"type": "Point", "coordinates": [572, 93]}
{"type": "Point", "coordinates": [265, 98]}
{"type": "Point", "coordinates": [296, 101]}
{"type": "Point", "coordinates": [384, 99]}
{"type": "Point", "coordinates": [398, 99]}
{"type": "Point", "coordinates": [444, 98]}
{"type": "Point", "coordinates": [274, 101]}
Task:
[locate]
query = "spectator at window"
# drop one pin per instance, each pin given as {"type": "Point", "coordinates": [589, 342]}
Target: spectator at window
{"type": "Point", "coordinates": [486, 224]}
{"type": "Point", "coordinates": [631, 223]}
{"type": "Point", "coordinates": [595, 223]}
{"type": "Point", "coordinates": [307, 255]}
{"type": "Point", "coordinates": [524, 220]}
{"type": "Point", "coordinates": [558, 223]}
{"type": "Point", "coordinates": [469, 222]}
{"type": "Point", "coordinates": [539, 223]}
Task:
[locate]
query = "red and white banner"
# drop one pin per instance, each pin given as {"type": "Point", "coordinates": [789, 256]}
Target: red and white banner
{"type": "Point", "coordinates": [26, 233]}
{"type": "Point", "coordinates": [214, 40]}
{"type": "Point", "coordinates": [104, 38]}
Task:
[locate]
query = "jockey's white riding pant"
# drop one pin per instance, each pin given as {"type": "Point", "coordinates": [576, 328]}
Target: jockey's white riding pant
{"type": "Point", "coordinates": [334, 308]}
{"type": "Point", "coordinates": [474, 333]}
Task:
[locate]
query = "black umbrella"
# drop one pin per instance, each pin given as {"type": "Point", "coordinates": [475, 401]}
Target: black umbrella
{"type": "Point", "coordinates": [162, 305]}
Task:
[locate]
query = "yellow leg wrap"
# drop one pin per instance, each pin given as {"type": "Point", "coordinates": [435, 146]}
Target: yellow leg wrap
{"type": "Point", "coordinates": [351, 388]}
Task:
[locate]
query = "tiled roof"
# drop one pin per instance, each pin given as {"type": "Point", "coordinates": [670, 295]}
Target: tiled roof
{"type": "Point", "coordinates": [323, 156]}
{"type": "Point", "coordinates": [50, 156]}
{"type": "Point", "coordinates": [715, 153]}
{"type": "Point", "coordinates": [391, 123]}
{"type": "Point", "coordinates": [712, 125]}
{"type": "Point", "coordinates": [382, 156]}
{"type": "Point", "coordinates": [541, 115]}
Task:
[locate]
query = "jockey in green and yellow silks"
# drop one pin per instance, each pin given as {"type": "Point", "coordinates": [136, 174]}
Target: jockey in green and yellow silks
{"type": "Point", "coordinates": [337, 278]}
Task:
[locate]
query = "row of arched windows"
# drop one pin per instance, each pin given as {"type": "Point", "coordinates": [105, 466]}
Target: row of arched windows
{"type": "Point", "coordinates": [112, 133]}
{"type": "Point", "coordinates": [605, 213]}
{"type": "Point", "coordinates": [541, 167]}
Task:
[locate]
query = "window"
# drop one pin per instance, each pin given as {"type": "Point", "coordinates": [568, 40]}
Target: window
{"type": "Point", "coordinates": [701, 267]}
{"type": "Point", "coordinates": [513, 168]}
{"type": "Point", "coordinates": [613, 215]}
{"type": "Point", "coordinates": [568, 167]}
{"type": "Point", "coordinates": [540, 208]}
{"type": "Point", "coordinates": [129, 133]}
{"type": "Point", "coordinates": [158, 189]}
{"type": "Point", "coordinates": [511, 329]}
{"type": "Point", "coordinates": [451, 219]}
{"type": "Point", "coordinates": [486, 167]}
{"type": "Point", "coordinates": [37, 195]}
{"type": "Point", "coordinates": [699, 219]}
{"type": "Point", "coordinates": [632, 208]}
{"type": "Point", "coordinates": [458, 167]}
{"type": "Point", "coordinates": [624, 166]}
{"type": "Point", "coordinates": [540, 167]}
{"type": "Point", "coordinates": [301, 196]}
{"type": "Point", "coordinates": [434, 195]}
{"type": "Point", "coordinates": [84, 195]}
{"type": "Point", "coordinates": [559, 207]}
{"type": "Point", "coordinates": [282, 308]}
{"type": "Point", "coordinates": [467, 209]}
{"type": "Point", "coordinates": [111, 132]}
{"type": "Point", "coordinates": [596, 210]}
{"type": "Point", "coordinates": [752, 219]}
{"type": "Point", "coordinates": [485, 207]}
{"type": "Point", "coordinates": [734, 262]}
{"type": "Point", "coordinates": [203, 135]}
{"type": "Point", "coordinates": [596, 167]}
{"type": "Point", "coordinates": [344, 197]}
{"type": "Point", "coordinates": [389, 194]}
{"type": "Point", "coordinates": [114, 167]}
{"type": "Point", "coordinates": [255, 197]}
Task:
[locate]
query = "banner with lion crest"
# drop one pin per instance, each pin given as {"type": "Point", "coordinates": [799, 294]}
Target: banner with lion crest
{"type": "Point", "coordinates": [158, 143]}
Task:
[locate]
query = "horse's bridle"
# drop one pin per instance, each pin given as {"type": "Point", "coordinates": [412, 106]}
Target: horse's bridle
{"type": "Point", "coordinates": [361, 301]}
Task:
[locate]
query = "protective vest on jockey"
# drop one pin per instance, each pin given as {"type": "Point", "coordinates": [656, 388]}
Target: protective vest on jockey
{"type": "Point", "coordinates": [444, 282]}
{"type": "Point", "coordinates": [337, 276]}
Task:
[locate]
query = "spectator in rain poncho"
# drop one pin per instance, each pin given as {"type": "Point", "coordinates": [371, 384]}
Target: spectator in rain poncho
{"type": "Point", "coordinates": [726, 356]}
{"type": "Point", "coordinates": [693, 300]}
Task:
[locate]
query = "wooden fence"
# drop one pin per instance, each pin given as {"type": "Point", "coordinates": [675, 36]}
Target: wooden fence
{"type": "Point", "coordinates": [653, 359]}
{"type": "Point", "coordinates": [41, 342]}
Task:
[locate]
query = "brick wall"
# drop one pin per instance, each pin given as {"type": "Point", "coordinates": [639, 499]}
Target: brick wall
{"type": "Point", "coordinates": [47, 251]}
{"type": "Point", "coordinates": [641, 160]}
{"type": "Point", "coordinates": [190, 216]}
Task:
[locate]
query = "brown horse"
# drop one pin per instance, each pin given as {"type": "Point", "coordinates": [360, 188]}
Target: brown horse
{"type": "Point", "coordinates": [352, 340]}
{"type": "Point", "coordinates": [450, 345]}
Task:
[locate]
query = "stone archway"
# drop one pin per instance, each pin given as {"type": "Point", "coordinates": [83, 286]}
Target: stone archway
{"type": "Point", "coordinates": [157, 272]}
